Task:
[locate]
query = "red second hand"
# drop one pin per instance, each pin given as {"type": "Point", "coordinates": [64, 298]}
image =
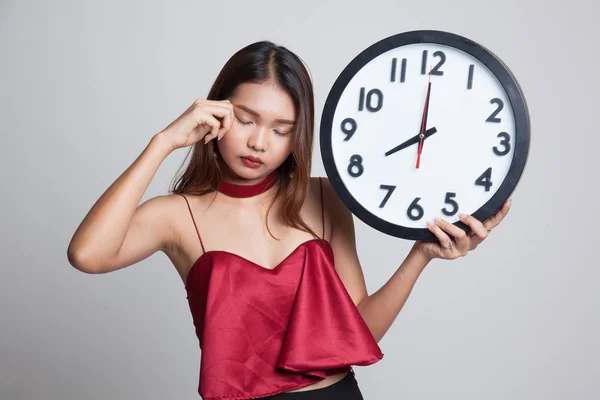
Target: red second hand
{"type": "Point", "coordinates": [422, 135]}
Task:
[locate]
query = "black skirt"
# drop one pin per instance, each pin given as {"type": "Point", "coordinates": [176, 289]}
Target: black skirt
{"type": "Point", "coordinates": [345, 389]}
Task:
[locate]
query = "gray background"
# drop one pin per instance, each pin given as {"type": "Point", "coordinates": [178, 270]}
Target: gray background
{"type": "Point", "coordinates": [83, 87]}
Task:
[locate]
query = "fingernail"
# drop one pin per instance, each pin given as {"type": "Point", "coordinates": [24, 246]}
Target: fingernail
{"type": "Point", "coordinates": [437, 220]}
{"type": "Point", "coordinates": [429, 224]}
{"type": "Point", "coordinates": [461, 215]}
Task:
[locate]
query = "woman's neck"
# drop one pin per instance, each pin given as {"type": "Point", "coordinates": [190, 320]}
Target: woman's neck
{"type": "Point", "coordinates": [236, 189]}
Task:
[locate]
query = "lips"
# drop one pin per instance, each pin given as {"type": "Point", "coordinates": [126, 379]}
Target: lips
{"type": "Point", "coordinates": [252, 162]}
{"type": "Point", "coordinates": [253, 159]}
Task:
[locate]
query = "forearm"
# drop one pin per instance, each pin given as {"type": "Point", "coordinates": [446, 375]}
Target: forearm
{"type": "Point", "coordinates": [103, 229]}
{"type": "Point", "coordinates": [380, 309]}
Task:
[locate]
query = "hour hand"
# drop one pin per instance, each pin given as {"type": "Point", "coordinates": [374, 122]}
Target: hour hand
{"type": "Point", "coordinates": [411, 141]}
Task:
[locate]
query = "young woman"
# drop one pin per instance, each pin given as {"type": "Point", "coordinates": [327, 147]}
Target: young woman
{"type": "Point", "coordinates": [254, 239]}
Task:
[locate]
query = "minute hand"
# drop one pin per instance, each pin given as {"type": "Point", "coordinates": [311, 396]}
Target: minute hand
{"type": "Point", "coordinates": [411, 141]}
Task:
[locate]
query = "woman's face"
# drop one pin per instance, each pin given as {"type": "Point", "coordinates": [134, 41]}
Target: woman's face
{"type": "Point", "coordinates": [260, 138]}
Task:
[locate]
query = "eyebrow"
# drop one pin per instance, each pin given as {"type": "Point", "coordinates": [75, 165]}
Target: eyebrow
{"type": "Point", "coordinates": [254, 113]}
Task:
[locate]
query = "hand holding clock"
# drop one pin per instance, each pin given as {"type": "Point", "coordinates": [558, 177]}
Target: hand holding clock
{"type": "Point", "coordinates": [453, 242]}
{"type": "Point", "coordinates": [479, 107]}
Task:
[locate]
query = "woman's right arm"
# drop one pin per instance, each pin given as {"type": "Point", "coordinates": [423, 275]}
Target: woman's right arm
{"type": "Point", "coordinates": [117, 231]}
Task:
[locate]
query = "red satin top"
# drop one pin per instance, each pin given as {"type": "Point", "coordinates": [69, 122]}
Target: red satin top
{"type": "Point", "coordinates": [266, 331]}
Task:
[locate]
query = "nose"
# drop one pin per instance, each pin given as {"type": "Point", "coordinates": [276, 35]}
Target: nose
{"type": "Point", "coordinates": [259, 139]}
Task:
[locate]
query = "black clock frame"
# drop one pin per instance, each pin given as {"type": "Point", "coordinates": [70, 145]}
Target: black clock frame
{"type": "Point", "coordinates": [486, 57]}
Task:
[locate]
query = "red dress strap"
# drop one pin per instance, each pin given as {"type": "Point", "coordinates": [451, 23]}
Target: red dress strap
{"type": "Point", "coordinates": [322, 209]}
{"type": "Point", "coordinates": [194, 221]}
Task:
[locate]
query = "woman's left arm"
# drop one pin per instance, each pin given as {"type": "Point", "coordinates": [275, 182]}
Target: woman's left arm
{"type": "Point", "coordinates": [380, 309]}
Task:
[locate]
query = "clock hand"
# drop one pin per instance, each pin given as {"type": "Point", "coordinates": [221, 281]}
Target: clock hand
{"type": "Point", "coordinates": [411, 141]}
{"type": "Point", "coordinates": [424, 120]}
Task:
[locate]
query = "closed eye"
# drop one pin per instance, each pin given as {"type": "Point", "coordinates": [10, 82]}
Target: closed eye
{"type": "Point", "coordinates": [242, 122]}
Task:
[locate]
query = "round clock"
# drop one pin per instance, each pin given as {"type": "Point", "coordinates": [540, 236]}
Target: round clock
{"type": "Point", "coordinates": [424, 124]}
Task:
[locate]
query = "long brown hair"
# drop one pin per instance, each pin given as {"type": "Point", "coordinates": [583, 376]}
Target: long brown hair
{"type": "Point", "coordinates": [258, 63]}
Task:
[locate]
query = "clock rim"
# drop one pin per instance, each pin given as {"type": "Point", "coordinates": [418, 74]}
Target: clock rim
{"type": "Point", "coordinates": [500, 70]}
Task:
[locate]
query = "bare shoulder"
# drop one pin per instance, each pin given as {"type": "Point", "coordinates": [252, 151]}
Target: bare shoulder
{"type": "Point", "coordinates": [165, 210]}
{"type": "Point", "coordinates": [182, 210]}
{"type": "Point", "coordinates": [334, 210]}
{"type": "Point", "coordinates": [153, 227]}
{"type": "Point", "coordinates": [316, 184]}
{"type": "Point", "coordinates": [331, 201]}
{"type": "Point", "coordinates": [341, 236]}
{"type": "Point", "coordinates": [185, 212]}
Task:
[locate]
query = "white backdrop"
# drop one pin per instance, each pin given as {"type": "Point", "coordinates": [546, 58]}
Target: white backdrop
{"type": "Point", "coordinates": [85, 84]}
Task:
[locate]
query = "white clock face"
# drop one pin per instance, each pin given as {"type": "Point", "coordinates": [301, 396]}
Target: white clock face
{"type": "Point", "coordinates": [467, 148]}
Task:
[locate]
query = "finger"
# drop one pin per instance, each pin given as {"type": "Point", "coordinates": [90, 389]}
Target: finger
{"type": "Point", "coordinates": [214, 128]}
{"type": "Point", "coordinates": [495, 220]}
{"type": "Point", "coordinates": [459, 235]}
{"type": "Point", "coordinates": [476, 226]}
{"type": "Point", "coordinates": [221, 103]}
{"type": "Point", "coordinates": [226, 123]}
{"type": "Point", "coordinates": [218, 110]}
{"type": "Point", "coordinates": [441, 236]}
{"type": "Point", "coordinates": [224, 112]}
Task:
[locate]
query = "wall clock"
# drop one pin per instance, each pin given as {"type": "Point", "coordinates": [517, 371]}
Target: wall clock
{"type": "Point", "coordinates": [424, 124]}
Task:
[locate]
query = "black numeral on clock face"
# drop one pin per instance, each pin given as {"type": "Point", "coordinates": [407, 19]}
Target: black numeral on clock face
{"type": "Point", "coordinates": [485, 179]}
{"type": "Point", "coordinates": [504, 142]}
{"type": "Point", "coordinates": [436, 69]}
{"type": "Point", "coordinates": [390, 190]}
{"type": "Point", "coordinates": [373, 100]}
{"type": "Point", "coordinates": [402, 70]}
{"type": "Point", "coordinates": [500, 104]}
{"type": "Point", "coordinates": [415, 211]}
{"type": "Point", "coordinates": [348, 127]}
{"type": "Point", "coordinates": [470, 79]}
{"type": "Point", "coordinates": [452, 203]}
{"type": "Point", "coordinates": [355, 168]}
